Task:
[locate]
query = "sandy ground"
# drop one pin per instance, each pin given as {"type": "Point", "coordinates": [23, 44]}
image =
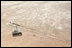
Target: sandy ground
{"type": "Point", "coordinates": [44, 23]}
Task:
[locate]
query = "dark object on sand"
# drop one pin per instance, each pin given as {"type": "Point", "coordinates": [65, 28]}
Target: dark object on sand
{"type": "Point", "coordinates": [34, 35]}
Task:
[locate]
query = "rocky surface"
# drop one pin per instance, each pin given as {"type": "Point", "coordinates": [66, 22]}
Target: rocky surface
{"type": "Point", "coordinates": [44, 23]}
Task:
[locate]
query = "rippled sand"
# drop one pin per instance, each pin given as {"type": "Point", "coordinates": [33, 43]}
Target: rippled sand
{"type": "Point", "coordinates": [44, 23]}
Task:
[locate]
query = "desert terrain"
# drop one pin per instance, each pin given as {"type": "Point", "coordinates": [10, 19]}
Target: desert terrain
{"type": "Point", "coordinates": [43, 23]}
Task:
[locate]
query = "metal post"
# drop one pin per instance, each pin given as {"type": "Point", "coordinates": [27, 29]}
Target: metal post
{"type": "Point", "coordinates": [16, 28]}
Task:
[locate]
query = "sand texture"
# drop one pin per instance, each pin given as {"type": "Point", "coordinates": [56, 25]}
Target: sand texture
{"type": "Point", "coordinates": [43, 23]}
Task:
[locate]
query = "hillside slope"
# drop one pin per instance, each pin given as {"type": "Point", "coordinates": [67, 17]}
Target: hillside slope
{"type": "Point", "coordinates": [44, 23]}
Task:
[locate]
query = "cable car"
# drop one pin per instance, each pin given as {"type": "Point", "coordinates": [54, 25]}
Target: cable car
{"type": "Point", "coordinates": [16, 32]}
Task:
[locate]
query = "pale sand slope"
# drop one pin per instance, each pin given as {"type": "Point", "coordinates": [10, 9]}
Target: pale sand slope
{"type": "Point", "coordinates": [45, 23]}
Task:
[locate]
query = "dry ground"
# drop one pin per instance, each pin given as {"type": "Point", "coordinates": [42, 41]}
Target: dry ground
{"type": "Point", "coordinates": [44, 23]}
